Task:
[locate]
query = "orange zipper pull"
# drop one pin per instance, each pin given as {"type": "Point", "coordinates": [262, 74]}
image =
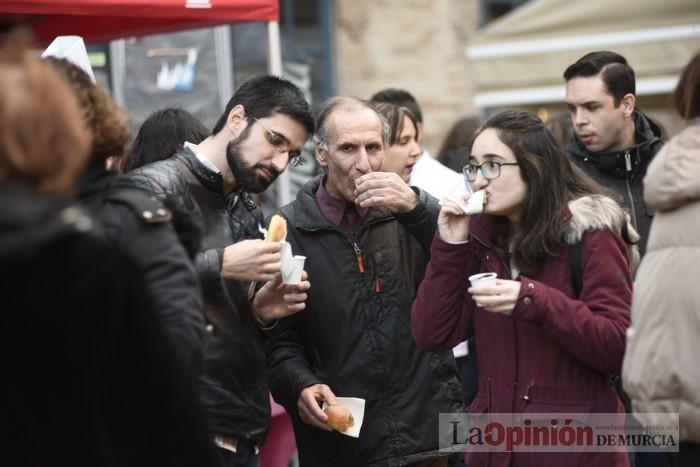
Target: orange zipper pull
{"type": "Point", "coordinates": [377, 285]}
{"type": "Point", "coordinates": [358, 254]}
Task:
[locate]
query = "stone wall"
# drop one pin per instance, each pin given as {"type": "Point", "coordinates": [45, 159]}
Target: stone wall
{"type": "Point", "coordinates": [417, 45]}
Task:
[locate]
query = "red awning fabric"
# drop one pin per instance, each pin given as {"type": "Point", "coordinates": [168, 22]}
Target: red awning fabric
{"type": "Point", "coordinates": [103, 20]}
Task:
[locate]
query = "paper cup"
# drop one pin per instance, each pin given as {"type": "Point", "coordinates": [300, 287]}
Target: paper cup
{"type": "Point", "coordinates": [291, 271]}
{"type": "Point", "coordinates": [483, 279]}
{"type": "Point", "coordinates": [475, 203]}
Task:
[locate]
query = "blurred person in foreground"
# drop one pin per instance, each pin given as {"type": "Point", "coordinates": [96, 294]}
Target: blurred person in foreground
{"type": "Point", "coordinates": [427, 173]}
{"type": "Point", "coordinates": [660, 371]}
{"type": "Point", "coordinates": [365, 235]}
{"type": "Point", "coordinates": [134, 222]}
{"type": "Point", "coordinates": [261, 131]}
{"type": "Point", "coordinates": [613, 141]}
{"type": "Point", "coordinates": [541, 347]}
{"type": "Point", "coordinates": [161, 135]}
{"type": "Point", "coordinates": [89, 375]}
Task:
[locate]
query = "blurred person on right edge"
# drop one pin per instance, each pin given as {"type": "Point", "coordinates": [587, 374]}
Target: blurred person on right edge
{"type": "Point", "coordinates": [541, 347]}
{"type": "Point", "coordinates": [613, 141]}
{"type": "Point", "coordinates": [660, 372]}
{"type": "Point", "coordinates": [261, 131]}
{"type": "Point", "coordinates": [455, 147]}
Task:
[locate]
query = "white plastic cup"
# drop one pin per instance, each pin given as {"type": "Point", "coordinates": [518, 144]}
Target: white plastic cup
{"type": "Point", "coordinates": [291, 271]}
{"type": "Point", "coordinates": [484, 279]}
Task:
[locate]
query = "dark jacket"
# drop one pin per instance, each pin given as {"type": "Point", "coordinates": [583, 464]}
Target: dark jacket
{"type": "Point", "coordinates": [89, 377]}
{"type": "Point", "coordinates": [354, 336]}
{"type": "Point", "coordinates": [555, 353]}
{"type": "Point", "coordinates": [233, 386]}
{"type": "Point", "coordinates": [613, 171]}
{"type": "Point", "coordinates": [139, 225]}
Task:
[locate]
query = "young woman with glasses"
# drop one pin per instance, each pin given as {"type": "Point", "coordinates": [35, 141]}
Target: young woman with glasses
{"type": "Point", "coordinates": [541, 346]}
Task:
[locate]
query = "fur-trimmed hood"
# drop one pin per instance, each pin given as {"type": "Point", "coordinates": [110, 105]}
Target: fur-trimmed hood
{"type": "Point", "coordinates": [595, 212]}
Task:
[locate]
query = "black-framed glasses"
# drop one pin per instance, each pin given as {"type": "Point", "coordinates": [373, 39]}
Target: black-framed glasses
{"type": "Point", "coordinates": [489, 170]}
{"type": "Point", "coordinates": [281, 145]}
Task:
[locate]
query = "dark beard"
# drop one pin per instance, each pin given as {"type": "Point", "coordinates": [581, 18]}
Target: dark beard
{"type": "Point", "coordinates": [246, 176]}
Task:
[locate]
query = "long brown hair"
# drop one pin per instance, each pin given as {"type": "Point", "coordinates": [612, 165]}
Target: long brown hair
{"type": "Point", "coordinates": [43, 139]}
{"type": "Point", "coordinates": [686, 97]}
{"type": "Point", "coordinates": [552, 181]}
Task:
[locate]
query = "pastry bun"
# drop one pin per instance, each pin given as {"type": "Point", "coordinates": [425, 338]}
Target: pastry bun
{"type": "Point", "coordinates": [277, 230]}
{"type": "Point", "coordinates": [339, 417]}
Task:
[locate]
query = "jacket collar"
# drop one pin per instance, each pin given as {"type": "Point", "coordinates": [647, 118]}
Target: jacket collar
{"type": "Point", "coordinates": [212, 181]}
{"type": "Point", "coordinates": [584, 214]}
{"type": "Point", "coordinates": [647, 136]}
{"type": "Point", "coordinates": [95, 179]}
{"type": "Point", "coordinates": [310, 217]}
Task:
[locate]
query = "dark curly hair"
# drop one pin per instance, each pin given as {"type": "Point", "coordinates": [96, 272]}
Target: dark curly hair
{"type": "Point", "coordinates": [107, 122]}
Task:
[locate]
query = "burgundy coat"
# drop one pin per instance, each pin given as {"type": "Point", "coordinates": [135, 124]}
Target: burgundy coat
{"type": "Point", "coordinates": [555, 353]}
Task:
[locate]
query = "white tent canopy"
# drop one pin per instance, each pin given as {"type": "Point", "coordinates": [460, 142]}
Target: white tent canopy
{"type": "Point", "coordinates": [520, 58]}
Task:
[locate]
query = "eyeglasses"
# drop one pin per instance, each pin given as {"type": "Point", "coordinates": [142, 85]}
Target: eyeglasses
{"type": "Point", "coordinates": [281, 145]}
{"type": "Point", "coordinates": [489, 170]}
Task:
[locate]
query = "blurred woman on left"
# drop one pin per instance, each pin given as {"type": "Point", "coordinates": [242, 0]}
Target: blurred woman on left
{"type": "Point", "coordinates": [89, 378]}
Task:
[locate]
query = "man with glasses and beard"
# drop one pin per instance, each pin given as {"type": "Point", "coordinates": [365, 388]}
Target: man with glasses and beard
{"type": "Point", "coordinates": [262, 130]}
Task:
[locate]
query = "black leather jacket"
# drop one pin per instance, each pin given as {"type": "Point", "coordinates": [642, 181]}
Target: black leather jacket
{"type": "Point", "coordinates": [355, 336]}
{"type": "Point", "coordinates": [623, 171]}
{"type": "Point", "coordinates": [233, 386]}
{"type": "Point", "coordinates": [139, 225]}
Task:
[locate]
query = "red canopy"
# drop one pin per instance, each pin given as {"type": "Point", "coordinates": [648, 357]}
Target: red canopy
{"type": "Point", "coordinates": [103, 20]}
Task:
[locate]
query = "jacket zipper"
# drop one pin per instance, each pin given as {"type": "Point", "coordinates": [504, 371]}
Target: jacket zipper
{"type": "Point", "coordinates": [358, 255]}
{"type": "Point", "coordinates": [628, 170]}
{"type": "Point", "coordinates": [361, 267]}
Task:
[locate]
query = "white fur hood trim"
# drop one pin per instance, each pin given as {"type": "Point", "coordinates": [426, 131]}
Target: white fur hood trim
{"type": "Point", "coordinates": [597, 212]}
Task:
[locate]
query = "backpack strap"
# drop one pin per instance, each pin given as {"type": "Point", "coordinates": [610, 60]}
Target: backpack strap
{"type": "Point", "coordinates": [577, 284]}
{"type": "Point", "coordinates": [575, 266]}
